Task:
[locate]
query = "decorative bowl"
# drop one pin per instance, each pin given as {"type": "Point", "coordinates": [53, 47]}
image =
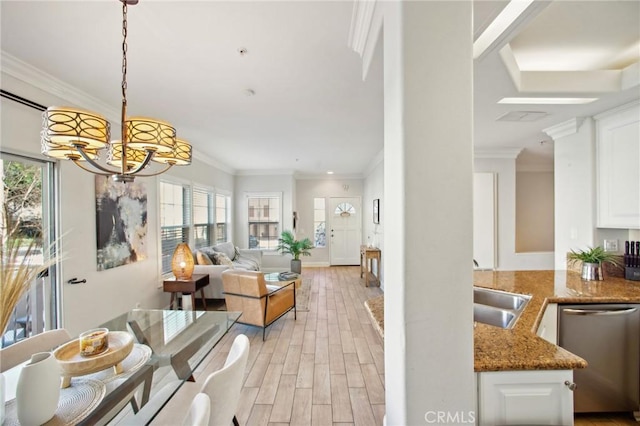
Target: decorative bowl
{"type": "Point", "coordinates": [73, 364]}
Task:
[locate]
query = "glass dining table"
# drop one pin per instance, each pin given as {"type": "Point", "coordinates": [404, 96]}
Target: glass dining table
{"type": "Point", "coordinates": [168, 347]}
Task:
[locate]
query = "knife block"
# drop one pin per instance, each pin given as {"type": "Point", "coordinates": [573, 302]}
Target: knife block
{"type": "Point", "coordinates": [632, 274]}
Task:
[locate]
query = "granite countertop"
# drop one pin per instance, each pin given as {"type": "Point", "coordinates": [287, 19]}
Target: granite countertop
{"type": "Point", "coordinates": [520, 348]}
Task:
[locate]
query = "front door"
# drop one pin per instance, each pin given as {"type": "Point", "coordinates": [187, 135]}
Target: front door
{"type": "Point", "coordinates": [345, 215]}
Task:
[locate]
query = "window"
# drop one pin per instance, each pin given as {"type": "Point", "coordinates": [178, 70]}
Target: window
{"type": "Point", "coordinates": [223, 214]}
{"type": "Point", "coordinates": [175, 219]}
{"type": "Point", "coordinates": [203, 220]}
{"type": "Point", "coordinates": [344, 210]}
{"type": "Point", "coordinates": [264, 221]}
{"type": "Point", "coordinates": [319, 223]}
{"type": "Point", "coordinates": [28, 202]}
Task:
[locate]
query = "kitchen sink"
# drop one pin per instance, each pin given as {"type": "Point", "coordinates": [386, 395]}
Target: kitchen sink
{"type": "Point", "coordinates": [497, 308]}
{"type": "Point", "coordinates": [499, 299]}
{"type": "Point", "coordinates": [493, 316]}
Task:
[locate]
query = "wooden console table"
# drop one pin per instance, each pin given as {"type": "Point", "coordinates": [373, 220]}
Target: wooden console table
{"type": "Point", "coordinates": [197, 282]}
{"type": "Point", "coordinates": [367, 255]}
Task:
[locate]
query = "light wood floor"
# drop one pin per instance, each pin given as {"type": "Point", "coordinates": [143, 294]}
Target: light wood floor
{"type": "Point", "coordinates": [605, 419]}
{"type": "Point", "coordinates": [325, 368]}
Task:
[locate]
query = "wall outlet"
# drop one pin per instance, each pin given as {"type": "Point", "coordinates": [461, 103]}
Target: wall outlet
{"type": "Point", "coordinates": [610, 245]}
{"type": "Point", "coordinates": [138, 305]}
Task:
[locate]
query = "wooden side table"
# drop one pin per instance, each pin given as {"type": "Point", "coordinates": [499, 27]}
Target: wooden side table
{"type": "Point", "coordinates": [367, 255]}
{"type": "Point", "coordinates": [197, 282]}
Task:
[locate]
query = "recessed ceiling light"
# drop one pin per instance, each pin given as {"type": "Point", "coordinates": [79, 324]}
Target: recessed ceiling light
{"type": "Point", "coordinates": [329, 172]}
{"type": "Point", "coordinates": [547, 101]}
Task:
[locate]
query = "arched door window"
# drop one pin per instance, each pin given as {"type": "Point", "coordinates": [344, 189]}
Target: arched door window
{"type": "Point", "coordinates": [344, 210]}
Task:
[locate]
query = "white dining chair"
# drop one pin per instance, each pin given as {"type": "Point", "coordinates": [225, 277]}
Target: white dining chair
{"type": "Point", "coordinates": [224, 386]}
{"type": "Point", "coordinates": [199, 412]}
{"type": "Point", "coordinates": [21, 351]}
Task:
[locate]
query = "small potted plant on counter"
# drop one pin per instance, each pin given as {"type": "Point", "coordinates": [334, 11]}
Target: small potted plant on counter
{"type": "Point", "coordinates": [287, 244]}
{"type": "Point", "coordinates": [592, 260]}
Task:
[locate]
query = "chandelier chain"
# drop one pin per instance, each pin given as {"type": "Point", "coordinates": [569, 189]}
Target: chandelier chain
{"type": "Point", "coordinates": [124, 166]}
{"type": "Point", "coordinates": [124, 52]}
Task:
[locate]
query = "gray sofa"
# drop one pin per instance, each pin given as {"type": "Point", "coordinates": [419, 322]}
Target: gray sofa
{"type": "Point", "coordinates": [216, 259]}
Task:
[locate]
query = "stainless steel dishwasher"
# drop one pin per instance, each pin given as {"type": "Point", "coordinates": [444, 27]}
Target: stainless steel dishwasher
{"type": "Point", "coordinates": [607, 336]}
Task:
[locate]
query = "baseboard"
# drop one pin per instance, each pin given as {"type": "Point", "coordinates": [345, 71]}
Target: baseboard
{"type": "Point", "coordinates": [306, 264]}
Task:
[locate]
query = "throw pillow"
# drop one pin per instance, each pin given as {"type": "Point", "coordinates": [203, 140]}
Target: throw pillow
{"type": "Point", "coordinates": [247, 263]}
{"type": "Point", "coordinates": [203, 259]}
{"type": "Point", "coordinates": [207, 252]}
{"type": "Point", "coordinates": [226, 248]}
{"type": "Point", "coordinates": [223, 259]}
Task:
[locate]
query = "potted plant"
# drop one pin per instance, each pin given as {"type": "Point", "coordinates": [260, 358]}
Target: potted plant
{"type": "Point", "coordinates": [592, 260]}
{"type": "Point", "coordinates": [287, 244]}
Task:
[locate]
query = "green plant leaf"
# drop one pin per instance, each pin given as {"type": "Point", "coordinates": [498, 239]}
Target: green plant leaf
{"type": "Point", "coordinates": [593, 255]}
{"type": "Point", "coordinates": [287, 244]}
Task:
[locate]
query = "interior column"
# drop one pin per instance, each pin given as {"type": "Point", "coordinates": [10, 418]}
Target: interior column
{"type": "Point", "coordinates": [428, 181]}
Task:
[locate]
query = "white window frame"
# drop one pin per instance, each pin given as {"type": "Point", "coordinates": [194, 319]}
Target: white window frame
{"type": "Point", "coordinates": [316, 222]}
{"type": "Point", "coordinates": [188, 225]}
{"type": "Point", "coordinates": [191, 231]}
{"type": "Point", "coordinates": [229, 213]}
{"type": "Point", "coordinates": [211, 213]}
{"type": "Point", "coordinates": [249, 195]}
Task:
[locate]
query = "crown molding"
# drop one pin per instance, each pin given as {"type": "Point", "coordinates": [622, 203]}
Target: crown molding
{"type": "Point", "coordinates": [256, 172]}
{"type": "Point", "coordinates": [565, 128]}
{"type": "Point", "coordinates": [39, 79]}
{"type": "Point", "coordinates": [504, 153]}
{"type": "Point", "coordinates": [366, 24]}
{"type": "Point", "coordinates": [329, 177]}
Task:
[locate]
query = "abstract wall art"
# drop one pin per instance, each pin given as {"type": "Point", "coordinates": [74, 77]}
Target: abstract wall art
{"type": "Point", "coordinates": [121, 222]}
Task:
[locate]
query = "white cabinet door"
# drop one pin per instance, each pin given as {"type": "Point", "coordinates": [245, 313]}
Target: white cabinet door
{"type": "Point", "coordinates": [484, 229]}
{"type": "Point", "coordinates": [618, 168]}
{"type": "Point", "coordinates": [538, 397]}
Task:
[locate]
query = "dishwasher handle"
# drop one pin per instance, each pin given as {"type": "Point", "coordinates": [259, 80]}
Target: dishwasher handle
{"type": "Point", "coordinates": [599, 311]}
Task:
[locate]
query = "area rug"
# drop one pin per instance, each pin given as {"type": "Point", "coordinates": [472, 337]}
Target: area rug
{"type": "Point", "coordinates": [375, 307]}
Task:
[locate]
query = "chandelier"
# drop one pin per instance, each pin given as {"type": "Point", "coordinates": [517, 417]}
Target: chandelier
{"type": "Point", "coordinates": [79, 136]}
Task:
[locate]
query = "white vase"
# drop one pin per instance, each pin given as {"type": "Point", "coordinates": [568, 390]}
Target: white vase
{"type": "Point", "coordinates": [38, 389]}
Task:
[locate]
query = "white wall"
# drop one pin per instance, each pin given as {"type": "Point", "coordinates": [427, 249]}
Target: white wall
{"type": "Point", "coordinates": [306, 191]}
{"type": "Point", "coordinates": [508, 259]}
{"type": "Point", "coordinates": [374, 189]}
{"type": "Point", "coordinates": [534, 212]}
{"type": "Point", "coordinates": [428, 209]}
{"type": "Point", "coordinates": [106, 293]}
{"type": "Point", "coordinates": [575, 196]}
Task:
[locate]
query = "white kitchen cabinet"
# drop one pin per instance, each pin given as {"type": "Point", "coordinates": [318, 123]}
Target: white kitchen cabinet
{"type": "Point", "coordinates": [618, 167]}
{"type": "Point", "coordinates": [525, 397]}
{"type": "Point", "coordinates": [548, 328]}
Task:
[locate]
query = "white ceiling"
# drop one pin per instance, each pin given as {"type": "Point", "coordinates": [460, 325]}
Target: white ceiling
{"type": "Point", "coordinates": [311, 111]}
